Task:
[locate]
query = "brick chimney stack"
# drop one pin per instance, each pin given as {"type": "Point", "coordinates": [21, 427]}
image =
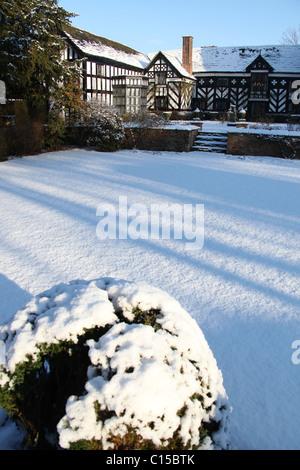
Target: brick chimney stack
{"type": "Point", "coordinates": [187, 54]}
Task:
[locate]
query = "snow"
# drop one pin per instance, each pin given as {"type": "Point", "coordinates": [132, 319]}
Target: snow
{"type": "Point", "coordinates": [175, 354]}
{"type": "Point", "coordinates": [59, 314]}
{"type": "Point", "coordinates": [272, 130]}
{"type": "Point", "coordinates": [219, 127]}
{"type": "Point", "coordinates": [98, 49]}
{"type": "Point", "coordinates": [242, 288]}
{"type": "Point", "coordinates": [169, 125]}
{"type": "Point", "coordinates": [277, 129]}
{"type": "Point", "coordinates": [283, 58]}
{"type": "Point", "coordinates": [175, 62]}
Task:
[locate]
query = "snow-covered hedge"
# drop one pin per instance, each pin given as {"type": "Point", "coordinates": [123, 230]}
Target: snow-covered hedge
{"type": "Point", "coordinates": [109, 364]}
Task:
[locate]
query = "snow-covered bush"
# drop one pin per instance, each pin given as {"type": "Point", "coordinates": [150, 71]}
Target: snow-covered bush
{"type": "Point", "coordinates": [137, 126]}
{"type": "Point", "coordinates": [108, 364]}
{"type": "Point", "coordinates": [103, 126]}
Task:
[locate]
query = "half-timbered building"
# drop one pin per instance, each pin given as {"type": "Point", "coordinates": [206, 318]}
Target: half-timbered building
{"type": "Point", "coordinates": [170, 84]}
{"type": "Point", "coordinates": [107, 64]}
{"type": "Point", "coordinates": [257, 79]}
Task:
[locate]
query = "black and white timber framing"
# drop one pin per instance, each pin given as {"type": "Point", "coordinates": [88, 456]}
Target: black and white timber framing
{"type": "Point", "coordinates": [255, 79]}
{"type": "Point", "coordinates": [259, 91]}
{"type": "Point", "coordinates": [102, 63]}
{"type": "Point", "coordinates": [170, 85]}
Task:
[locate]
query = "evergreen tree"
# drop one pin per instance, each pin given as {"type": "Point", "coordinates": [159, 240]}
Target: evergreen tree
{"type": "Point", "coordinates": [31, 47]}
{"type": "Point", "coordinates": [13, 42]}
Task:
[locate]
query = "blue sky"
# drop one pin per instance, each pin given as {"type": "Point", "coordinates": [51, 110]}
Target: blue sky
{"type": "Point", "coordinates": [160, 24]}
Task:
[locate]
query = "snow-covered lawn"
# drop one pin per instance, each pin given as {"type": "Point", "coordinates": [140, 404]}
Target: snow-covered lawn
{"type": "Point", "coordinates": [242, 287]}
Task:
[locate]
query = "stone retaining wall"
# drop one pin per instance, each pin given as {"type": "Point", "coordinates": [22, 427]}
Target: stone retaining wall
{"type": "Point", "coordinates": [281, 146]}
{"type": "Point", "coordinates": [165, 139]}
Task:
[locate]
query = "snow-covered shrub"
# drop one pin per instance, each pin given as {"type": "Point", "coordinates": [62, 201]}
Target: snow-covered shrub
{"type": "Point", "coordinates": [108, 364]}
{"type": "Point", "coordinates": [103, 126]}
{"type": "Point", "coordinates": [145, 120]}
{"type": "Point", "coordinates": [137, 126]}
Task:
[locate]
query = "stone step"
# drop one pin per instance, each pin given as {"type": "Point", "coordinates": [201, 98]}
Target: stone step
{"type": "Point", "coordinates": [215, 143]}
{"type": "Point", "coordinates": [203, 148]}
{"type": "Point", "coordinates": [210, 136]}
{"type": "Point", "coordinates": [210, 142]}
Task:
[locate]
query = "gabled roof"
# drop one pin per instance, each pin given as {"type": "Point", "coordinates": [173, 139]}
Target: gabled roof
{"type": "Point", "coordinates": [91, 45]}
{"type": "Point", "coordinates": [259, 64]}
{"type": "Point", "coordinates": [284, 58]}
{"type": "Point", "coordinates": [173, 61]}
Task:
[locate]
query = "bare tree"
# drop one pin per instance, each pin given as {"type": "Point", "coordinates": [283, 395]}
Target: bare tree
{"type": "Point", "coordinates": [291, 36]}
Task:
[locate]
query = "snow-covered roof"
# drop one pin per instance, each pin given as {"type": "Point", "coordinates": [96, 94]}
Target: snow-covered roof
{"type": "Point", "coordinates": [178, 65]}
{"type": "Point", "coordinates": [92, 45]}
{"type": "Point", "coordinates": [175, 62]}
{"type": "Point", "coordinates": [283, 58]}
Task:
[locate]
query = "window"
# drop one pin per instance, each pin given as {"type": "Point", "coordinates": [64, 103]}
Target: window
{"type": "Point", "coordinates": [161, 103]}
{"type": "Point", "coordinates": [221, 81]}
{"type": "Point", "coordinates": [161, 78]}
{"type": "Point", "coordinates": [259, 84]}
{"type": "Point", "coordinates": [100, 70]}
{"type": "Point", "coordinates": [161, 91]}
